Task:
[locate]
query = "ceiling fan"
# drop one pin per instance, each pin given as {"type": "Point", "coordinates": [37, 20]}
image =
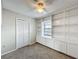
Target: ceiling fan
{"type": "Point", "coordinates": [40, 5]}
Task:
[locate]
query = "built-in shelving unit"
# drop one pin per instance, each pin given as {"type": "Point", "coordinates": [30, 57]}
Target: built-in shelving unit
{"type": "Point", "coordinates": [65, 29]}
{"type": "Point", "coordinates": [64, 32]}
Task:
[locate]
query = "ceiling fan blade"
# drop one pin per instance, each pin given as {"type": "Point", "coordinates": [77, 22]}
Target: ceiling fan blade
{"type": "Point", "coordinates": [35, 0]}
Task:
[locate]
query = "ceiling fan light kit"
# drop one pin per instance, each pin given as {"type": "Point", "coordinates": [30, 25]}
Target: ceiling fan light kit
{"type": "Point", "coordinates": [40, 5]}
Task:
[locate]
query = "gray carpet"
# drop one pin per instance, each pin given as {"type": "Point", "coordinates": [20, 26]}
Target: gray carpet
{"type": "Point", "coordinates": [35, 51]}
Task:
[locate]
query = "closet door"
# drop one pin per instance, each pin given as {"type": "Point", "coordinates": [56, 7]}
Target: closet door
{"type": "Point", "coordinates": [19, 33]}
{"type": "Point", "coordinates": [26, 32]}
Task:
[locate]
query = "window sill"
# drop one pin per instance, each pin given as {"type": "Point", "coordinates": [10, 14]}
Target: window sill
{"type": "Point", "coordinates": [45, 37]}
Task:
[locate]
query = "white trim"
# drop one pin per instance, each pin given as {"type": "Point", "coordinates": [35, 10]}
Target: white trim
{"type": "Point", "coordinates": [47, 19]}
{"type": "Point", "coordinates": [8, 52]}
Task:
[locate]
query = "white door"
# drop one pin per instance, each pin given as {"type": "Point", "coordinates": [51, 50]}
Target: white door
{"type": "Point", "coordinates": [26, 33]}
{"type": "Point", "coordinates": [19, 33]}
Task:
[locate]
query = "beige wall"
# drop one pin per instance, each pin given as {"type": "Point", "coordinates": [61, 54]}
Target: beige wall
{"type": "Point", "coordinates": [8, 40]}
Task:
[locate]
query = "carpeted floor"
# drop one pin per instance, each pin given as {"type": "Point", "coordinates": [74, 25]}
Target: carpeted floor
{"type": "Point", "coordinates": [35, 51]}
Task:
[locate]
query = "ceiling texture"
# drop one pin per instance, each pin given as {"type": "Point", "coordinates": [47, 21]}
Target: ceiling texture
{"type": "Point", "coordinates": [26, 7]}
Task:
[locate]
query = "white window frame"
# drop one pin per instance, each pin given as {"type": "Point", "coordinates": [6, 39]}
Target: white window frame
{"type": "Point", "coordinates": [48, 19]}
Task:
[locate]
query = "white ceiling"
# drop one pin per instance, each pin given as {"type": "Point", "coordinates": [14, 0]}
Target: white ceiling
{"type": "Point", "coordinates": [26, 6]}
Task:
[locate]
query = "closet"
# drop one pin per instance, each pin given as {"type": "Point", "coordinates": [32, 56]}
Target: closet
{"type": "Point", "coordinates": [22, 32]}
{"type": "Point", "coordinates": [25, 32]}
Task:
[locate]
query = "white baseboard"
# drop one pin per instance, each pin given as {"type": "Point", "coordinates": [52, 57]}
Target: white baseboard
{"type": "Point", "coordinates": [8, 52]}
{"type": "Point", "coordinates": [32, 43]}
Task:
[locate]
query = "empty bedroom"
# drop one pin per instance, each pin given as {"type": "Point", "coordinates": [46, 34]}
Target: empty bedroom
{"type": "Point", "coordinates": [39, 29]}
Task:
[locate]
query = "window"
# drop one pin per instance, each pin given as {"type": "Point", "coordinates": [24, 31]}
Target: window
{"type": "Point", "coordinates": [46, 28]}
